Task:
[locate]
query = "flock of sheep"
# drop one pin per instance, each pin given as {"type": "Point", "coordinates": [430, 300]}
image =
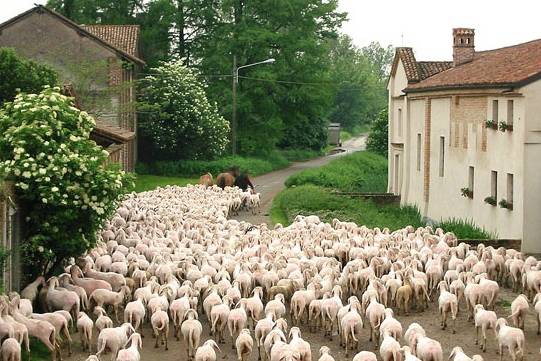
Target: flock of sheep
{"type": "Point", "coordinates": [171, 257]}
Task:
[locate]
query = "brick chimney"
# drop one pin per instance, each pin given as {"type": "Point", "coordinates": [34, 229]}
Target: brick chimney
{"type": "Point", "coordinates": [463, 45]}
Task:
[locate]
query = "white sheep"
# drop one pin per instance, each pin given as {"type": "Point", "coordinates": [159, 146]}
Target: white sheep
{"type": "Point", "coordinates": [244, 344]}
{"type": "Point", "coordinates": [11, 350]}
{"type": "Point", "coordinates": [131, 353]}
{"type": "Point", "coordinates": [114, 339]}
{"type": "Point", "coordinates": [511, 338]}
{"type": "Point", "coordinates": [207, 352]}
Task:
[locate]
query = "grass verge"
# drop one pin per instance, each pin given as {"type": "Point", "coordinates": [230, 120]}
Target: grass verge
{"type": "Point", "coordinates": [310, 199]}
{"type": "Point", "coordinates": [358, 172]}
{"type": "Point", "coordinates": [149, 182]}
{"type": "Point", "coordinates": [309, 192]}
{"type": "Point", "coordinates": [465, 229]}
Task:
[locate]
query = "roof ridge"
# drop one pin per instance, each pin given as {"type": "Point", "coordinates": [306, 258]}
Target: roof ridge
{"type": "Point", "coordinates": [508, 46]}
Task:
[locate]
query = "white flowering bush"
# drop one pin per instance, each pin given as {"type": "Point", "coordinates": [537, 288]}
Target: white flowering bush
{"type": "Point", "coordinates": [177, 119]}
{"type": "Point", "coordinates": [61, 176]}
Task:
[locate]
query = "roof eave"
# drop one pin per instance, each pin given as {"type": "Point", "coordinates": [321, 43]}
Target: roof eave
{"type": "Point", "coordinates": [460, 86]}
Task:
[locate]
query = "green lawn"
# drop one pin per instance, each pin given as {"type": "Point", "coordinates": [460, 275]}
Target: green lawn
{"type": "Point", "coordinates": [310, 199]}
{"type": "Point", "coordinates": [150, 182]}
{"type": "Point", "coordinates": [358, 172]}
{"type": "Point", "coordinates": [310, 192]}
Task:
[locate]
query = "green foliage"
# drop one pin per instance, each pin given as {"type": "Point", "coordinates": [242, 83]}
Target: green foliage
{"type": "Point", "coordinates": [360, 92]}
{"type": "Point", "coordinates": [194, 168]}
{"type": "Point", "coordinates": [465, 229]}
{"type": "Point", "coordinates": [149, 182]}
{"type": "Point", "coordinates": [358, 172]}
{"type": "Point", "coordinates": [60, 176]}
{"type": "Point", "coordinates": [308, 199]}
{"type": "Point", "coordinates": [18, 74]}
{"type": "Point", "coordinates": [285, 103]}
{"type": "Point", "coordinates": [381, 58]}
{"type": "Point", "coordinates": [300, 155]}
{"type": "Point", "coordinates": [378, 139]}
{"type": "Point", "coordinates": [178, 120]}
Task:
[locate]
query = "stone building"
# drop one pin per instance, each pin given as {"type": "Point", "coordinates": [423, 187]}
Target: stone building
{"type": "Point", "coordinates": [97, 63]}
{"type": "Point", "coordinates": [465, 136]}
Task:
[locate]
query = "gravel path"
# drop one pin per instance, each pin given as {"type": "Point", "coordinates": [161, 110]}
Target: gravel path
{"type": "Point", "coordinates": [270, 184]}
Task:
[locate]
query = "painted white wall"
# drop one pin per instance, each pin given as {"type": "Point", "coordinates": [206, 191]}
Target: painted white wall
{"type": "Point", "coordinates": [532, 168]}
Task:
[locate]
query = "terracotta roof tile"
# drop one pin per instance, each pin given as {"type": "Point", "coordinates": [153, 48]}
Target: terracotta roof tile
{"type": "Point", "coordinates": [430, 68]}
{"type": "Point", "coordinates": [504, 67]}
{"type": "Point", "coordinates": [409, 62]}
{"type": "Point", "coordinates": [123, 37]}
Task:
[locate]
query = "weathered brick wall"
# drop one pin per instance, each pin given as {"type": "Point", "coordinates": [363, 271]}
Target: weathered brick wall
{"type": "Point", "coordinates": [468, 112]}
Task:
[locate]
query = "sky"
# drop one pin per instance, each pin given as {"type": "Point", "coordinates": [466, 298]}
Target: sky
{"type": "Point", "coordinates": [424, 25]}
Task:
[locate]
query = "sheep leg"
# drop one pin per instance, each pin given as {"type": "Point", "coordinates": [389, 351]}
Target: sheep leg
{"type": "Point", "coordinates": [476, 335]}
{"type": "Point", "coordinates": [68, 338]}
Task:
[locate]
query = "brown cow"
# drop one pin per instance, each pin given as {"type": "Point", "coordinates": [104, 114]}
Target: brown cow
{"type": "Point", "coordinates": [206, 180]}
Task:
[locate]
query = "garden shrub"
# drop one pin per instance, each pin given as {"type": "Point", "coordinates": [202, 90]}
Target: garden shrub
{"type": "Point", "coordinates": [358, 172]}
{"type": "Point", "coordinates": [378, 138]}
{"type": "Point", "coordinates": [177, 119]}
{"type": "Point", "coordinates": [61, 177]}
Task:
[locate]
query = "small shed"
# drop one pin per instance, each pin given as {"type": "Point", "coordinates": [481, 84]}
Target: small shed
{"type": "Point", "coordinates": [333, 137]}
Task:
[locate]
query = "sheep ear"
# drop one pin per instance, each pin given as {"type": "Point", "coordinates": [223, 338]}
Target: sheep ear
{"type": "Point", "coordinates": [215, 345]}
{"type": "Point", "coordinates": [452, 355]}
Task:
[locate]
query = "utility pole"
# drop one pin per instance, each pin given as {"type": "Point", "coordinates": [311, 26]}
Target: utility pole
{"type": "Point", "coordinates": [234, 116]}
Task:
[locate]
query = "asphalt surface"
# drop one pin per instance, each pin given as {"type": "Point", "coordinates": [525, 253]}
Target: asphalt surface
{"type": "Point", "coordinates": [270, 184]}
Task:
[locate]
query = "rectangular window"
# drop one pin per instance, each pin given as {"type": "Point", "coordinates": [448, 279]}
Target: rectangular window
{"type": "Point", "coordinates": [442, 156]}
{"type": "Point", "coordinates": [495, 110]}
{"type": "Point", "coordinates": [419, 147]}
{"type": "Point", "coordinates": [494, 184]}
{"type": "Point", "coordinates": [399, 122]}
{"type": "Point", "coordinates": [509, 188]}
{"type": "Point", "coordinates": [510, 111]}
{"type": "Point", "coordinates": [471, 178]}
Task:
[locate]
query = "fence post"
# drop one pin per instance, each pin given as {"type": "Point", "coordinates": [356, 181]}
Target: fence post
{"type": "Point", "coordinates": [10, 235]}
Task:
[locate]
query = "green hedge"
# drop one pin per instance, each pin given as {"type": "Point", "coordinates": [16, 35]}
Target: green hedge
{"type": "Point", "coordinates": [195, 168]}
{"type": "Point", "coordinates": [301, 155]}
{"type": "Point", "coordinates": [358, 172]}
{"type": "Point", "coordinates": [309, 199]}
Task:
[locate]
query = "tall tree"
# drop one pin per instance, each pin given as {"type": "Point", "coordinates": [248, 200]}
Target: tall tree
{"type": "Point", "coordinates": [284, 103]}
{"type": "Point", "coordinates": [379, 56]}
{"type": "Point", "coordinates": [360, 94]}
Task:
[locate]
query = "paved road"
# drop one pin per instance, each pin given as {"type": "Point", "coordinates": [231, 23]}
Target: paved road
{"type": "Point", "coordinates": [270, 184]}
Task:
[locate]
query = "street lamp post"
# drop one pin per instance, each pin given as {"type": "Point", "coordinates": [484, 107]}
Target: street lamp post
{"type": "Point", "coordinates": [235, 82]}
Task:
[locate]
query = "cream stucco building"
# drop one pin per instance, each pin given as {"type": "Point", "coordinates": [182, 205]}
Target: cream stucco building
{"type": "Point", "coordinates": [444, 155]}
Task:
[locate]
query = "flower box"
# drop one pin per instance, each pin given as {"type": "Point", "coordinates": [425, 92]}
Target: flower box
{"type": "Point", "coordinates": [466, 192]}
{"type": "Point", "coordinates": [505, 204]}
{"type": "Point", "coordinates": [491, 200]}
{"type": "Point", "coordinates": [506, 127]}
{"type": "Point", "coordinates": [491, 124]}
